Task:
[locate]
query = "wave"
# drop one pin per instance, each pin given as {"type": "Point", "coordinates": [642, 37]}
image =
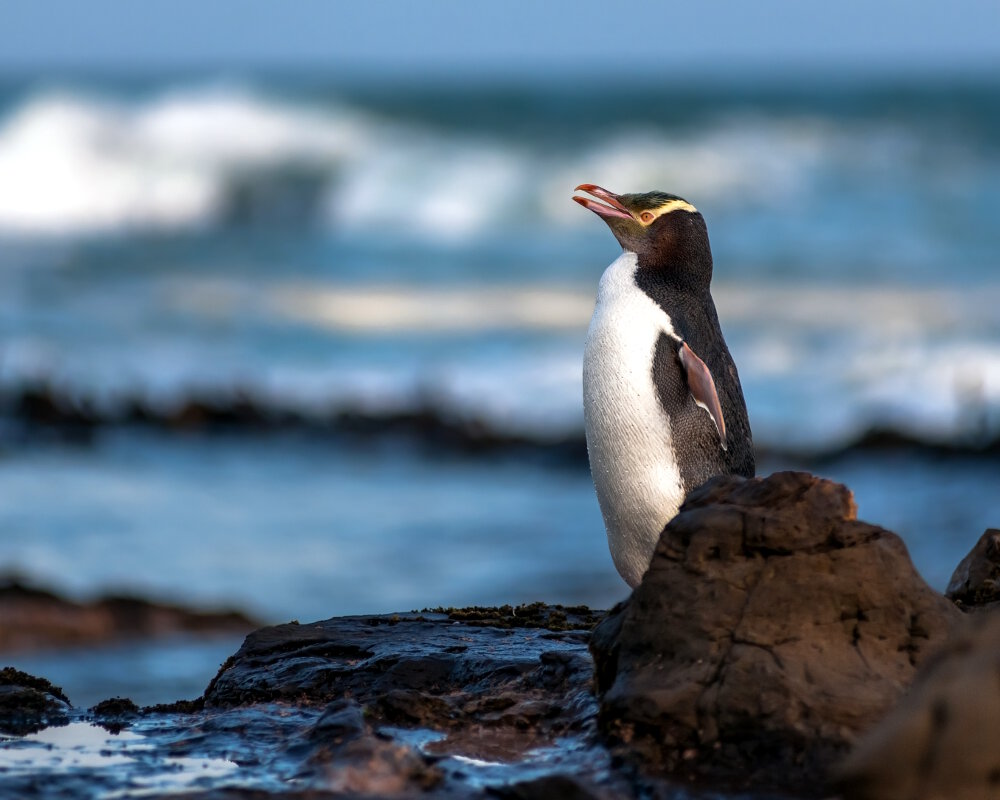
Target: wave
{"type": "Point", "coordinates": [78, 164]}
{"type": "Point", "coordinates": [73, 163]}
{"type": "Point", "coordinates": [819, 365]}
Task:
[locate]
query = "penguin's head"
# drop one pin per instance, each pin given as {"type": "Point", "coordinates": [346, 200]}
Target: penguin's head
{"type": "Point", "coordinates": [665, 231]}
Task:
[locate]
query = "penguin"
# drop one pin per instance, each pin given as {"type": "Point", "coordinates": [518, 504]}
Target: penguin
{"type": "Point", "coordinates": [663, 406]}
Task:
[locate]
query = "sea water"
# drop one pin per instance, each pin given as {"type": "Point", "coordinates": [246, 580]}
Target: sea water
{"type": "Point", "coordinates": [331, 245]}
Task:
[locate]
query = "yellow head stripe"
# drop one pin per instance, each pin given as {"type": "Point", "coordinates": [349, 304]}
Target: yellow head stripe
{"type": "Point", "coordinates": [666, 208]}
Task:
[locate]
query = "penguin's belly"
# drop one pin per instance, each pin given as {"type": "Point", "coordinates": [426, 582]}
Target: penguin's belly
{"type": "Point", "coordinates": [632, 460]}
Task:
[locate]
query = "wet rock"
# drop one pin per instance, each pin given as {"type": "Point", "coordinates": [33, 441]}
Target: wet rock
{"type": "Point", "coordinates": [425, 666]}
{"type": "Point", "coordinates": [115, 707]}
{"type": "Point", "coordinates": [348, 757]}
{"type": "Point", "coordinates": [342, 721]}
{"type": "Point", "coordinates": [29, 704]}
{"type": "Point", "coordinates": [414, 702]}
{"type": "Point", "coordinates": [447, 704]}
{"type": "Point", "coordinates": [549, 787]}
{"type": "Point", "coordinates": [115, 714]}
{"type": "Point", "coordinates": [940, 742]}
{"type": "Point", "coordinates": [771, 628]}
{"type": "Point", "coordinates": [34, 618]}
{"type": "Point", "coordinates": [429, 705]}
{"type": "Point", "coordinates": [975, 583]}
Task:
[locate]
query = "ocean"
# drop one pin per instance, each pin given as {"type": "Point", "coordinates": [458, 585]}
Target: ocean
{"type": "Point", "coordinates": [377, 295]}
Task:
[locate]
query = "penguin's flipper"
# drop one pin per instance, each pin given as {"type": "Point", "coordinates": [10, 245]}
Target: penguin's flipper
{"type": "Point", "coordinates": [703, 388]}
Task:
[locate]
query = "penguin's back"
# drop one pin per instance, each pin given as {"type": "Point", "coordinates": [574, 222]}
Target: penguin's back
{"type": "Point", "coordinates": [696, 322]}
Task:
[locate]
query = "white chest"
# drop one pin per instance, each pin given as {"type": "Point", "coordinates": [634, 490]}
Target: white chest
{"type": "Point", "coordinates": [635, 474]}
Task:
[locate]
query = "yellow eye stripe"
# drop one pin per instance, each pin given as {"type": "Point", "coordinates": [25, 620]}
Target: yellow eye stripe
{"type": "Point", "coordinates": [649, 216]}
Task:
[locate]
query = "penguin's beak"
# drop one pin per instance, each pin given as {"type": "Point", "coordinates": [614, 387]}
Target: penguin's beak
{"type": "Point", "coordinates": [614, 208]}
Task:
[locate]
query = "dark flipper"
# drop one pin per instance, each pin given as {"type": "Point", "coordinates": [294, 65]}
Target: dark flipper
{"type": "Point", "coordinates": [703, 388]}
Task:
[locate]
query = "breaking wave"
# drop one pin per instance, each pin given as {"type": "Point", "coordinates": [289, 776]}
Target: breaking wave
{"type": "Point", "coordinates": [72, 163]}
{"type": "Point", "coordinates": [76, 163]}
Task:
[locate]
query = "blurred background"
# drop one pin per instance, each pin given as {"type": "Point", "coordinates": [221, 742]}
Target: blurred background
{"type": "Point", "coordinates": [293, 297]}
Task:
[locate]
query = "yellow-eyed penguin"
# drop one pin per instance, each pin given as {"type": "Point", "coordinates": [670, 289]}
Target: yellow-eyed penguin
{"type": "Point", "coordinates": [662, 401]}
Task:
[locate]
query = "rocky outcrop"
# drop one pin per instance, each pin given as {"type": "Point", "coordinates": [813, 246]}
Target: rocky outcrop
{"type": "Point", "coordinates": [434, 667]}
{"type": "Point", "coordinates": [770, 629]}
{"type": "Point", "coordinates": [975, 584]}
{"type": "Point", "coordinates": [940, 743]}
{"type": "Point", "coordinates": [28, 704]}
{"type": "Point", "coordinates": [436, 704]}
{"type": "Point", "coordinates": [33, 619]}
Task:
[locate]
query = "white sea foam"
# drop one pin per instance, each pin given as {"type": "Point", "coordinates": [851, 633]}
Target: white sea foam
{"type": "Point", "coordinates": [75, 163]}
{"type": "Point", "coordinates": [72, 163]}
{"type": "Point", "coordinates": [67, 164]}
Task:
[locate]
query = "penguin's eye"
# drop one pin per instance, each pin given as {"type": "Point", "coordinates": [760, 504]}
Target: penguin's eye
{"type": "Point", "coordinates": [646, 217]}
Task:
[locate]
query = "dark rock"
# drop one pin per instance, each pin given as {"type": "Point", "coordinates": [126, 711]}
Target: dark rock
{"type": "Point", "coordinates": [975, 583]}
{"type": "Point", "coordinates": [491, 685]}
{"type": "Point", "coordinates": [34, 618]}
{"type": "Point", "coordinates": [47, 412]}
{"type": "Point", "coordinates": [28, 704]}
{"type": "Point", "coordinates": [115, 707]}
{"type": "Point", "coordinates": [423, 665]}
{"type": "Point", "coordinates": [115, 714]}
{"type": "Point", "coordinates": [350, 758]}
{"type": "Point", "coordinates": [770, 629]}
{"type": "Point", "coordinates": [342, 721]}
{"type": "Point", "coordinates": [531, 615]}
{"type": "Point", "coordinates": [549, 787]}
{"type": "Point", "coordinates": [411, 707]}
{"type": "Point", "coordinates": [940, 742]}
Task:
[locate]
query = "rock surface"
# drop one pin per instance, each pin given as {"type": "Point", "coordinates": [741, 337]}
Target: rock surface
{"type": "Point", "coordinates": [411, 667]}
{"type": "Point", "coordinates": [975, 583]}
{"type": "Point", "coordinates": [941, 742]}
{"type": "Point", "coordinates": [770, 629]}
{"type": "Point", "coordinates": [489, 686]}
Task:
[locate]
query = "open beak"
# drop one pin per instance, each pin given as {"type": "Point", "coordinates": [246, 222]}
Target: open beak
{"type": "Point", "coordinates": [614, 208]}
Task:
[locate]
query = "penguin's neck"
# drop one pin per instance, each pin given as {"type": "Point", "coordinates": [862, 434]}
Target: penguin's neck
{"type": "Point", "coordinates": [682, 273]}
{"type": "Point", "coordinates": [683, 296]}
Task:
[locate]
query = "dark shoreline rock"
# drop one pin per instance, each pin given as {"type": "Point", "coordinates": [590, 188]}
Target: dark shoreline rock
{"type": "Point", "coordinates": [35, 619]}
{"type": "Point", "coordinates": [771, 628]}
{"type": "Point", "coordinates": [44, 412]}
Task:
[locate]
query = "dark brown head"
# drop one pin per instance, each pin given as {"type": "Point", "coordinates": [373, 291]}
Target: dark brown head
{"type": "Point", "coordinates": [665, 231]}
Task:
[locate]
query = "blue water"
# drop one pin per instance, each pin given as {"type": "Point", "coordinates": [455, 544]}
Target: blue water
{"type": "Point", "coordinates": [324, 245]}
